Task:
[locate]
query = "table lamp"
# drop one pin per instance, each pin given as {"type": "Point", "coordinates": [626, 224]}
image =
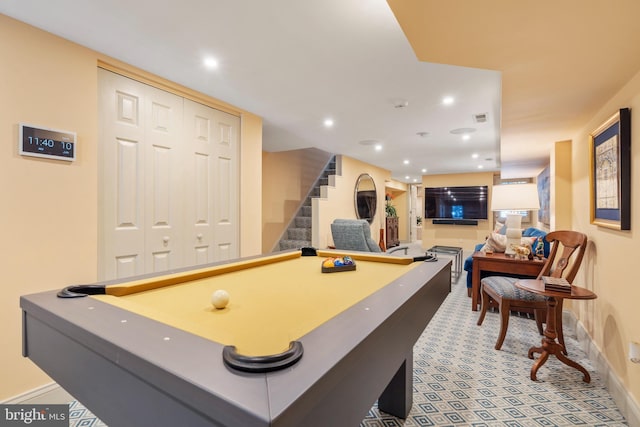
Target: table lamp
{"type": "Point", "coordinates": [514, 197]}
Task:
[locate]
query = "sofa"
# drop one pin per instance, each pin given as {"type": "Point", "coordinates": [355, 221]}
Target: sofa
{"type": "Point", "coordinates": [531, 232]}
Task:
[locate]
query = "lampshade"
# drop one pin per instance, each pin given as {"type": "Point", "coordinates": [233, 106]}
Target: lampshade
{"type": "Point", "coordinates": [515, 197]}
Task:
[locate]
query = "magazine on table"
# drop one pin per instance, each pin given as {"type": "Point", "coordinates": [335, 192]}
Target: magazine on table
{"type": "Point", "coordinates": [556, 284]}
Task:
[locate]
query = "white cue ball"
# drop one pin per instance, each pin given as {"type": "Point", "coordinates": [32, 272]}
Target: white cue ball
{"type": "Point", "coordinates": [220, 298]}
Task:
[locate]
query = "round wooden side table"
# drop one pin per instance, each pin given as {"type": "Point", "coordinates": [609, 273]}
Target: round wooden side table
{"type": "Point", "coordinates": [549, 344]}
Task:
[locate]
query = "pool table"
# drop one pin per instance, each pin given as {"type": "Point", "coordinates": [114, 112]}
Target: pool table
{"type": "Point", "coordinates": [151, 350]}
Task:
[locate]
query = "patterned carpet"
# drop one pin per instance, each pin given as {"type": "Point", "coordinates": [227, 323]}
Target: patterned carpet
{"type": "Point", "coordinates": [460, 380]}
{"type": "Point", "coordinates": [79, 416]}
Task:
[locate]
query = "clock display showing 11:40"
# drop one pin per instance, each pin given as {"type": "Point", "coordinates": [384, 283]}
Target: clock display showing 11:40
{"type": "Point", "coordinates": [47, 143]}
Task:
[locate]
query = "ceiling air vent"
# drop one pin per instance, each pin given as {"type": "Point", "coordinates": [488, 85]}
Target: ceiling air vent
{"type": "Point", "coordinates": [480, 118]}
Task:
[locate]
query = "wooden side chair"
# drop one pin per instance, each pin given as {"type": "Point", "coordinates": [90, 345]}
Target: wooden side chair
{"type": "Point", "coordinates": [500, 291]}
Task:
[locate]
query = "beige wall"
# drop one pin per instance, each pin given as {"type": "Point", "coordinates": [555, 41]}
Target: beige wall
{"type": "Point", "coordinates": [560, 198]}
{"type": "Point", "coordinates": [49, 208]}
{"type": "Point", "coordinates": [608, 268]}
{"type": "Point", "coordinates": [250, 180]}
{"type": "Point", "coordinates": [464, 236]}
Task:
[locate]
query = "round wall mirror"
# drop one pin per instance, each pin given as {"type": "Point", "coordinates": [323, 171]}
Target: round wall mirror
{"type": "Point", "coordinates": [366, 198]}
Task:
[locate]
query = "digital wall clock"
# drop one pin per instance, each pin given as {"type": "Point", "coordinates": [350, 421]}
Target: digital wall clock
{"type": "Point", "coordinates": [48, 143]}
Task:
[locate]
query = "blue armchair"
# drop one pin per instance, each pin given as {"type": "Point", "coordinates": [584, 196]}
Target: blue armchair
{"type": "Point", "coordinates": [528, 232]}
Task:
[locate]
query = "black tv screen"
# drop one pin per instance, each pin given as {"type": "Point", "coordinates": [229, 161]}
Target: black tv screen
{"type": "Point", "coordinates": [456, 202]}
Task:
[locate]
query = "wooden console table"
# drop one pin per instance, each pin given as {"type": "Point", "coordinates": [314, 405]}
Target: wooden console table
{"type": "Point", "coordinates": [549, 344]}
{"type": "Point", "coordinates": [499, 263]}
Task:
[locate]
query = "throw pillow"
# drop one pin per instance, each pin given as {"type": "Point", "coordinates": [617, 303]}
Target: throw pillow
{"type": "Point", "coordinates": [497, 242]}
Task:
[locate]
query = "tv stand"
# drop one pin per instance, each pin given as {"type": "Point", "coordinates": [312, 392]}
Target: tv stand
{"type": "Point", "coordinates": [456, 221]}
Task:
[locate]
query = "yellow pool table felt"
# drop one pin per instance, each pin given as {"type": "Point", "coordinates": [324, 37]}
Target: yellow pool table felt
{"type": "Point", "coordinates": [273, 300]}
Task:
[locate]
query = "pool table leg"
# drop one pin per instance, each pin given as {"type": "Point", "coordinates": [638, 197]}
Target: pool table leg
{"type": "Point", "coordinates": [397, 398]}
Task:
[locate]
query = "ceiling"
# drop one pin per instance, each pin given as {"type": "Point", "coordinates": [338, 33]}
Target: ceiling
{"type": "Point", "coordinates": [537, 72]}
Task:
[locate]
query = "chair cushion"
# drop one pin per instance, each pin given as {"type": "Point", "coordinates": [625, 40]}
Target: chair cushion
{"type": "Point", "coordinates": [505, 288]}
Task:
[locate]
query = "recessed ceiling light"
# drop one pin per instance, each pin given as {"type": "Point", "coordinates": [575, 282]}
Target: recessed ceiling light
{"type": "Point", "coordinates": [424, 170]}
{"type": "Point", "coordinates": [480, 167]}
{"type": "Point", "coordinates": [210, 62]}
{"type": "Point", "coordinates": [474, 156]}
{"type": "Point", "coordinates": [328, 123]}
{"type": "Point", "coordinates": [448, 100]}
{"type": "Point", "coordinates": [415, 179]}
{"type": "Point", "coordinates": [407, 177]}
{"type": "Point", "coordinates": [466, 137]}
{"type": "Point", "coordinates": [406, 162]}
{"type": "Point", "coordinates": [378, 147]}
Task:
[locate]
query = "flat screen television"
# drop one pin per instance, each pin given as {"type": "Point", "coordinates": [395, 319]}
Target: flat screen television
{"type": "Point", "coordinates": [457, 203]}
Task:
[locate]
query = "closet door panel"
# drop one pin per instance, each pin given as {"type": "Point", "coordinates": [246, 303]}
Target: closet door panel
{"type": "Point", "coordinates": [199, 149]}
{"type": "Point", "coordinates": [121, 180]}
{"type": "Point", "coordinates": [163, 180]}
{"type": "Point", "coordinates": [226, 178]}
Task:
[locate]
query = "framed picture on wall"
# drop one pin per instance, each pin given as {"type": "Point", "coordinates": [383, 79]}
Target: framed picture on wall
{"type": "Point", "coordinates": [544, 195]}
{"type": "Point", "coordinates": [610, 155]}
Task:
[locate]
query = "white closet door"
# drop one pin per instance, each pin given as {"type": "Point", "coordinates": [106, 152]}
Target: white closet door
{"type": "Point", "coordinates": [226, 209]}
{"type": "Point", "coordinates": [168, 180]}
{"type": "Point", "coordinates": [199, 161]}
{"type": "Point", "coordinates": [163, 180]}
{"type": "Point", "coordinates": [140, 178]}
{"type": "Point", "coordinates": [122, 176]}
{"type": "Point", "coordinates": [212, 184]}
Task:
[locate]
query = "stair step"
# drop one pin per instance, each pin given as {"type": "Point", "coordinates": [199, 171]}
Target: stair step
{"type": "Point", "coordinates": [305, 211]}
{"type": "Point", "coordinates": [294, 244]}
{"type": "Point", "coordinates": [299, 233]}
{"type": "Point", "coordinates": [302, 222]}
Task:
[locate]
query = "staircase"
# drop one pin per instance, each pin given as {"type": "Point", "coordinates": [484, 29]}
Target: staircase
{"type": "Point", "coordinates": [298, 234]}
